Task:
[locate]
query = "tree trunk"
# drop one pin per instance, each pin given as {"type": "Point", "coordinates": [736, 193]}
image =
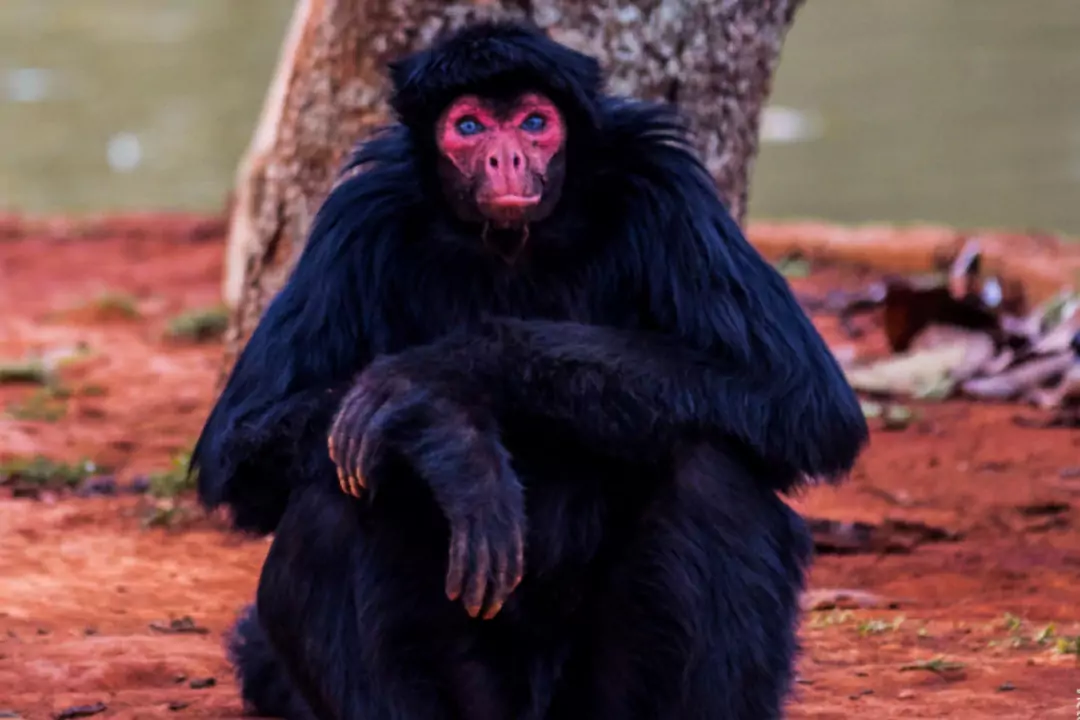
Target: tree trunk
{"type": "Point", "coordinates": [714, 58]}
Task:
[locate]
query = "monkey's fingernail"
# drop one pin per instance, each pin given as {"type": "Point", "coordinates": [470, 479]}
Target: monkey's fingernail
{"type": "Point", "coordinates": [473, 610]}
{"type": "Point", "coordinates": [493, 610]}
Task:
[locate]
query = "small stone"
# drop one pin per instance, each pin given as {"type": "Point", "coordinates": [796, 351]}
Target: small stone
{"type": "Point", "coordinates": [176, 705]}
{"type": "Point", "coordinates": [202, 683]}
{"type": "Point", "coordinates": [139, 484]}
{"type": "Point", "coordinates": [26, 492]}
{"type": "Point", "coordinates": [1006, 687]}
{"type": "Point", "coordinates": [179, 626]}
{"type": "Point", "coordinates": [906, 694]}
{"type": "Point", "coordinates": [81, 711]}
{"type": "Point", "coordinates": [98, 485]}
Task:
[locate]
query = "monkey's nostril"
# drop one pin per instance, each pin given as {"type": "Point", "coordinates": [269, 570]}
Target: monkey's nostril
{"type": "Point", "coordinates": [493, 162]}
{"type": "Point", "coordinates": [517, 160]}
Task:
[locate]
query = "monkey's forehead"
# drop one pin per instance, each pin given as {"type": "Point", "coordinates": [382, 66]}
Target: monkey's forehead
{"type": "Point", "coordinates": [493, 59]}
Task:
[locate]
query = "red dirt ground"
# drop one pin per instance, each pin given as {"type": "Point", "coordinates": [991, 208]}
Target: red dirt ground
{"type": "Point", "coordinates": [81, 580]}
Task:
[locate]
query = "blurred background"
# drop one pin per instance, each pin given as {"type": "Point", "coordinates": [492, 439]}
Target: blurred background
{"type": "Point", "coordinates": [963, 112]}
{"type": "Point", "coordinates": [945, 578]}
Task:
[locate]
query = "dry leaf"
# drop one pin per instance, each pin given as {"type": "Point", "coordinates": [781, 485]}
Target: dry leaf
{"type": "Point", "coordinates": [921, 373]}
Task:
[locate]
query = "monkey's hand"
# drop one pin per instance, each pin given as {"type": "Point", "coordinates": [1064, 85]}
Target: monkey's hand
{"type": "Point", "coordinates": [456, 449]}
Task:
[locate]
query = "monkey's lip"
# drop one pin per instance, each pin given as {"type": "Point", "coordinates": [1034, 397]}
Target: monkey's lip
{"type": "Point", "coordinates": [510, 202]}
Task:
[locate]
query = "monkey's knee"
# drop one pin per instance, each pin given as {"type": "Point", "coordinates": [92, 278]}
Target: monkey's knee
{"type": "Point", "coordinates": [265, 685]}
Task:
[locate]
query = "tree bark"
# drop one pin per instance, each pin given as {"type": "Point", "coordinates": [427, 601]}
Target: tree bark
{"type": "Point", "coordinates": [714, 58]}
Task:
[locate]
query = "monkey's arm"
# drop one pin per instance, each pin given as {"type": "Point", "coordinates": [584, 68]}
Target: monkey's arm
{"type": "Point", "coordinates": [267, 430]}
{"type": "Point", "coordinates": [640, 393]}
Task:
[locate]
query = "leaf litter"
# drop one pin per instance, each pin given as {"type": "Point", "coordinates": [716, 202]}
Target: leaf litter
{"type": "Point", "coordinates": [966, 333]}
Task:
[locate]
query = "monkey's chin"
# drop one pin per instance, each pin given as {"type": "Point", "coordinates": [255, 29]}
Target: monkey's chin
{"type": "Point", "coordinates": [507, 218]}
{"type": "Point", "coordinates": [509, 225]}
{"type": "Point", "coordinates": [505, 242]}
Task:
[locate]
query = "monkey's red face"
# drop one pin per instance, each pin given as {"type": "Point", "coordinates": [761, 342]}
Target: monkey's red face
{"type": "Point", "coordinates": [504, 158]}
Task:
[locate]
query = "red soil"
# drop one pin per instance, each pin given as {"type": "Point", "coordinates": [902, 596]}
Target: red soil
{"type": "Point", "coordinates": [81, 580]}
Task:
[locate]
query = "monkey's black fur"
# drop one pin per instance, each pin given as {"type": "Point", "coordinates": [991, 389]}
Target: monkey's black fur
{"type": "Point", "coordinates": [649, 375]}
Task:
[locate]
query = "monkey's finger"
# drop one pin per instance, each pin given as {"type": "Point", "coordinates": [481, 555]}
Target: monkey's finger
{"type": "Point", "coordinates": [354, 400]}
{"type": "Point", "coordinates": [334, 459]}
{"type": "Point", "coordinates": [348, 458]}
{"type": "Point", "coordinates": [516, 569]}
{"type": "Point", "coordinates": [343, 480]}
{"type": "Point", "coordinates": [375, 413]}
{"type": "Point", "coordinates": [330, 448]}
{"type": "Point", "coordinates": [459, 558]}
{"type": "Point", "coordinates": [494, 607]}
{"type": "Point", "coordinates": [340, 460]}
{"type": "Point", "coordinates": [364, 404]}
{"type": "Point", "coordinates": [338, 440]}
{"type": "Point", "coordinates": [373, 447]}
{"type": "Point", "coordinates": [510, 570]}
{"type": "Point", "coordinates": [500, 587]}
{"type": "Point", "coordinates": [339, 465]}
{"type": "Point", "coordinates": [378, 430]}
{"type": "Point", "coordinates": [354, 429]}
{"type": "Point", "coordinates": [350, 485]}
{"type": "Point", "coordinates": [352, 416]}
{"type": "Point", "coordinates": [392, 426]}
{"type": "Point", "coordinates": [476, 585]}
{"type": "Point", "coordinates": [339, 427]}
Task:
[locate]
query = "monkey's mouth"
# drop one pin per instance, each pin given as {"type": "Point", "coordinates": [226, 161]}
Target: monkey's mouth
{"type": "Point", "coordinates": [512, 201]}
{"type": "Point", "coordinates": [508, 211]}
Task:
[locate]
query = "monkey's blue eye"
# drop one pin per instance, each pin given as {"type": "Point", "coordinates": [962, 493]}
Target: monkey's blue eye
{"type": "Point", "coordinates": [533, 123]}
{"type": "Point", "coordinates": [469, 126]}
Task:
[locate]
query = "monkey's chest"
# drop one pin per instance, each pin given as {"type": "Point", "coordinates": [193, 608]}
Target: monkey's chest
{"type": "Point", "coordinates": [581, 520]}
{"type": "Point", "coordinates": [580, 504]}
{"type": "Point", "coordinates": [461, 299]}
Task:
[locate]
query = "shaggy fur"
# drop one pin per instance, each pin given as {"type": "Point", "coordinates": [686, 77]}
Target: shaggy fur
{"type": "Point", "coordinates": [640, 374]}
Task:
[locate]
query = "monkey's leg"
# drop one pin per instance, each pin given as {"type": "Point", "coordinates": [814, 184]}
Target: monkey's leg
{"type": "Point", "coordinates": [699, 618]}
{"type": "Point", "coordinates": [354, 608]}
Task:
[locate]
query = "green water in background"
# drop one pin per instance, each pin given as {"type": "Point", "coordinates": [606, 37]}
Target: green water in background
{"type": "Point", "coordinates": [955, 111]}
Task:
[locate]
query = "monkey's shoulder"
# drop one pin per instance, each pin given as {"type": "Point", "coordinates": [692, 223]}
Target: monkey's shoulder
{"type": "Point", "coordinates": [376, 195]}
{"type": "Point", "coordinates": [648, 145]}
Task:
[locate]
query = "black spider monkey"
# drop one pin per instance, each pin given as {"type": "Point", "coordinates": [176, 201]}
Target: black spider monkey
{"type": "Point", "coordinates": [533, 342]}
